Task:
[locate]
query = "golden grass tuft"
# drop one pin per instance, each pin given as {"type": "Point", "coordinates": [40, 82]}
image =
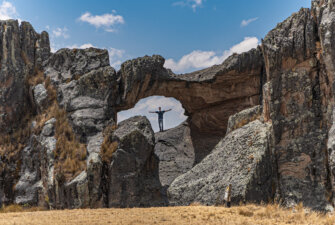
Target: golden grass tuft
{"type": "Point", "coordinates": [108, 147]}
{"type": "Point", "coordinates": [70, 154]}
{"type": "Point", "coordinates": [52, 93]}
{"type": "Point", "coordinates": [195, 204]}
{"type": "Point", "coordinates": [36, 78]}
{"type": "Point", "coordinates": [11, 208]}
{"type": "Point", "coordinates": [14, 208]}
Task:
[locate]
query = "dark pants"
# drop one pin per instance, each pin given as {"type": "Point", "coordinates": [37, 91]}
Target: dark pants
{"type": "Point", "coordinates": [160, 124]}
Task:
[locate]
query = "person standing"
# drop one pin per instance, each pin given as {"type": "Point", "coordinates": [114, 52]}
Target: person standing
{"type": "Point", "coordinates": [160, 113]}
{"type": "Point", "coordinates": [227, 196]}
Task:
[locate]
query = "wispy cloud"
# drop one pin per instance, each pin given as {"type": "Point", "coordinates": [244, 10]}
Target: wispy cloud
{"type": "Point", "coordinates": [106, 21]}
{"type": "Point", "coordinates": [245, 23]}
{"type": "Point", "coordinates": [61, 32]}
{"type": "Point", "coordinates": [194, 4]}
{"type": "Point", "coordinates": [7, 11]}
{"type": "Point", "coordinates": [202, 59]}
{"type": "Point", "coordinates": [116, 57]}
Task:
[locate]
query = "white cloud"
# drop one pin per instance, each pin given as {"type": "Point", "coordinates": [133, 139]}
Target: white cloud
{"type": "Point", "coordinates": [194, 4]}
{"type": "Point", "coordinates": [47, 27]}
{"type": "Point", "coordinates": [7, 11]}
{"type": "Point", "coordinates": [106, 21]}
{"type": "Point", "coordinates": [83, 46]}
{"type": "Point", "coordinates": [61, 32]}
{"type": "Point", "coordinates": [171, 119]}
{"type": "Point", "coordinates": [202, 59]}
{"type": "Point", "coordinates": [116, 56]}
{"type": "Point", "coordinates": [245, 23]}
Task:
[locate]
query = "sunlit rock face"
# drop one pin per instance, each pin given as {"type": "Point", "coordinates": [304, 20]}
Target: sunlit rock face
{"type": "Point", "coordinates": [298, 102]}
{"type": "Point", "coordinates": [22, 50]}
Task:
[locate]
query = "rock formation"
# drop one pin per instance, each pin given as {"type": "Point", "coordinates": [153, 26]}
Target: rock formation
{"type": "Point", "coordinates": [262, 120]}
{"type": "Point", "coordinates": [175, 151]}
{"type": "Point", "coordinates": [244, 159]}
{"type": "Point", "coordinates": [22, 50]}
{"type": "Point", "coordinates": [133, 172]}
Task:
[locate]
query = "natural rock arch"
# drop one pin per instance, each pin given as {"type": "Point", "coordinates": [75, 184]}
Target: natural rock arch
{"type": "Point", "coordinates": [208, 96]}
{"type": "Point", "coordinates": [145, 105]}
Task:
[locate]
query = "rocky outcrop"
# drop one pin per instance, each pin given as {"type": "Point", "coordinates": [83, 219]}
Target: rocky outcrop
{"type": "Point", "coordinates": [40, 97]}
{"type": "Point", "coordinates": [175, 151]}
{"type": "Point", "coordinates": [86, 87]}
{"type": "Point", "coordinates": [130, 179]}
{"type": "Point", "coordinates": [133, 172]}
{"type": "Point", "coordinates": [244, 159]}
{"type": "Point", "coordinates": [262, 120]}
{"type": "Point", "coordinates": [296, 103]}
{"type": "Point", "coordinates": [71, 64]}
{"type": "Point", "coordinates": [244, 117]}
{"type": "Point", "coordinates": [29, 187]}
{"type": "Point", "coordinates": [22, 50]}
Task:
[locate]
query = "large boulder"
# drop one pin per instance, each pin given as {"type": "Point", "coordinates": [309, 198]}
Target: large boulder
{"type": "Point", "coordinates": [175, 151]}
{"type": "Point", "coordinates": [133, 171]}
{"type": "Point", "coordinates": [67, 64]}
{"type": "Point", "coordinates": [86, 87]}
{"type": "Point", "coordinates": [243, 158]}
{"type": "Point", "coordinates": [40, 97]}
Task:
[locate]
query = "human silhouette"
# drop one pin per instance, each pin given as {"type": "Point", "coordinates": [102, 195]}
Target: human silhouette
{"type": "Point", "coordinates": [160, 113]}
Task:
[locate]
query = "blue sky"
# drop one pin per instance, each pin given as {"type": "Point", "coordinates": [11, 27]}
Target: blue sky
{"type": "Point", "coordinates": [190, 34]}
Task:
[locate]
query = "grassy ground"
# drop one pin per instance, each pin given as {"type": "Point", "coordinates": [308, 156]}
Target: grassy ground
{"type": "Point", "coordinates": [250, 214]}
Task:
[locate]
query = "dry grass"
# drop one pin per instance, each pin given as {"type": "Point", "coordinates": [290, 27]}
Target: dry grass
{"type": "Point", "coordinates": [36, 78]}
{"type": "Point", "coordinates": [20, 208]}
{"type": "Point", "coordinates": [108, 147]}
{"type": "Point", "coordinates": [13, 142]}
{"type": "Point", "coordinates": [70, 154]}
{"type": "Point", "coordinates": [250, 214]}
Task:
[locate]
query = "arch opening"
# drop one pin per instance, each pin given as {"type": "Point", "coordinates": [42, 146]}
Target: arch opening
{"type": "Point", "coordinates": [172, 118]}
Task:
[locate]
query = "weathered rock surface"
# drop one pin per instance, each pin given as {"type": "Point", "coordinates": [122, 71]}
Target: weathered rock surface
{"type": "Point", "coordinates": [244, 158]}
{"type": "Point", "coordinates": [22, 50]}
{"type": "Point", "coordinates": [175, 151]}
{"type": "Point", "coordinates": [40, 96]}
{"type": "Point", "coordinates": [86, 87]}
{"type": "Point", "coordinates": [69, 64]}
{"type": "Point", "coordinates": [244, 117]}
{"type": "Point", "coordinates": [29, 187]}
{"type": "Point", "coordinates": [297, 103]}
{"type": "Point", "coordinates": [133, 172]}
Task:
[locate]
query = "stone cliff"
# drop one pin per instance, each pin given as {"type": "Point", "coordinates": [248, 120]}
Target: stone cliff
{"type": "Point", "coordinates": [262, 121]}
